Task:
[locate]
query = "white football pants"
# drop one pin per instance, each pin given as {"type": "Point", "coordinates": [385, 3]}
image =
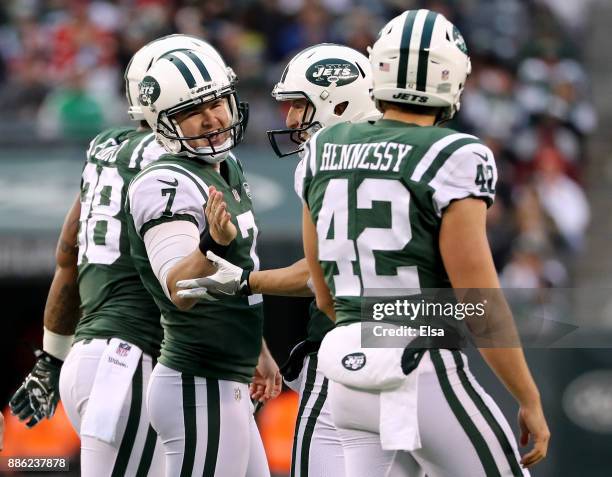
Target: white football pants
{"type": "Point", "coordinates": [206, 426]}
{"type": "Point", "coordinates": [463, 432]}
{"type": "Point", "coordinates": [317, 449]}
{"type": "Point", "coordinates": [138, 451]}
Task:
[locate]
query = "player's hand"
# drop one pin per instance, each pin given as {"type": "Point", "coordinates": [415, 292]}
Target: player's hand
{"type": "Point", "coordinates": [38, 395]}
{"type": "Point", "coordinates": [227, 280]}
{"type": "Point", "coordinates": [533, 427]}
{"type": "Point", "coordinates": [220, 225]}
{"type": "Point", "coordinates": [267, 381]}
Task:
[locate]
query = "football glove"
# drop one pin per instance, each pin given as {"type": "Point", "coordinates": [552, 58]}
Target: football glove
{"type": "Point", "coordinates": [227, 280]}
{"type": "Point", "coordinates": [38, 396]}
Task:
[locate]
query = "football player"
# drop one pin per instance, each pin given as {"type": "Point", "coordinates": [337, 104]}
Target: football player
{"type": "Point", "coordinates": [119, 329]}
{"type": "Point", "coordinates": [324, 84]}
{"type": "Point", "coordinates": [198, 396]}
{"type": "Point", "coordinates": [394, 208]}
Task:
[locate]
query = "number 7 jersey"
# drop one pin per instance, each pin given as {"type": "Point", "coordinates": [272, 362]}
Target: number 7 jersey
{"type": "Point", "coordinates": [215, 339]}
{"type": "Point", "coordinates": [376, 193]}
{"type": "Point", "coordinates": [114, 303]}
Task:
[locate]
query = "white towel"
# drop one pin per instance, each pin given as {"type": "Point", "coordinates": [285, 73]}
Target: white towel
{"type": "Point", "coordinates": [113, 379]}
{"type": "Point", "coordinates": [399, 423]}
{"type": "Point", "coordinates": [342, 359]}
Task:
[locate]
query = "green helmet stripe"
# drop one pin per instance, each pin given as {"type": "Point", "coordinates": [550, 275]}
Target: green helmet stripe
{"type": "Point", "coordinates": [430, 21]}
{"type": "Point", "coordinates": [402, 72]}
{"type": "Point", "coordinates": [196, 61]}
{"type": "Point", "coordinates": [199, 64]}
{"type": "Point", "coordinates": [182, 67]}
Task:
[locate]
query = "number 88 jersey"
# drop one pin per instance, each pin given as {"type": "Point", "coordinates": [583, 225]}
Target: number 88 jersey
{"type": "Point", "coordinates": [376, 193]}
{"type": "Point", "coordinates": [114, 302]}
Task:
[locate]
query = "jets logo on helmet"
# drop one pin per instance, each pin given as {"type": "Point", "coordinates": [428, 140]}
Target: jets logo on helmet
{"type": "Point", "coordinates": [335, 81]}
{"type": "Point", "coordinates": [420, 58]}
{"type": "Point", "coordinates": [332, 70]}
{"type": "Point", "coordinates": [459, 41]}
{"type": "Point", "coordinates": [149, 91]}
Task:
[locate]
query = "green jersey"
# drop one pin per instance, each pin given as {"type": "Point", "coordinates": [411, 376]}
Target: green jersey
{"type": "Point", "coordinates": [318, 325]}
{"type": "Point", "coordinates": [376, 193]}
{"type": "Point", "coordinates": [215, 339]}
{"type": "Point", "coordinates": [114, 302]}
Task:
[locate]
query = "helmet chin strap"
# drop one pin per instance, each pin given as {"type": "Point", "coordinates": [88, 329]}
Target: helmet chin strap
{"type": "Point", "coordinates": [207, 155]}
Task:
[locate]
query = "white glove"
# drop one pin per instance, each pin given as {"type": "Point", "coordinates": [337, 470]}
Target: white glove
{"type": "Point", "coordinates": [227, 280]}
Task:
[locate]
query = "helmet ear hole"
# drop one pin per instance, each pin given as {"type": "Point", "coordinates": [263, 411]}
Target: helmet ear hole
{"type": "Point", "coordinates": [340, 108]}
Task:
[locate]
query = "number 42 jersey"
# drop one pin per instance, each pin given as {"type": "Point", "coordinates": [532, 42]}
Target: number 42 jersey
{"type": "Point", "coordinates": [114, 302]}
{"type": "Point", "coordinates": [376, 193]}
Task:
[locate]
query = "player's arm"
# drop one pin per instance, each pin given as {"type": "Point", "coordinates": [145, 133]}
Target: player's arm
{"type": "Point", "coordinates": [287, 281]}
{"type": "Point", "coordinates": [230, 279]}
{"type": "Point", "coordinates": [325, 302]}
{"type": "Point", "coordinates": [61, 313]}
{"type": "Point", "coordinates": [176, 250]}
{"type": "Point", "coordinates": [171, 213]}
{"type": "Point", "coordinates": [467, 258]}
{"type": "Point", "coordinates": [37, 397]}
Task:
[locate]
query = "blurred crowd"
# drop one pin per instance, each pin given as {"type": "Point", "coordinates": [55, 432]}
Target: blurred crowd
{"type": "Point", "coordinates": [62, 61]}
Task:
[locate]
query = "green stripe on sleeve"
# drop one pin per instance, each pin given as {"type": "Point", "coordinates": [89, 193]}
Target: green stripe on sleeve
{"type": "Point", "coordinates": [430, 21]}
{"type": "Point", "coordinates": [213, 405]}
{"type": "Point", "coordinates": [476, 438]}
{"type": "Point", "coordinates": [402, 72]}
{"type": "Point", "coordinates": [163, 219]}
{"type": "Point", "coordinates": [189, 423]}
{"type": "Point", "coordinates": [148, 140]}
{"type": "Point", "coordinates": [442, 156]}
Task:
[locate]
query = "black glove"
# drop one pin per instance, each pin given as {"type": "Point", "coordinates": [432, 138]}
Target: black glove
{"type": "Point", "coordinates": [39, 394]}
{"type": "Point", "coordinates": [293, 366]}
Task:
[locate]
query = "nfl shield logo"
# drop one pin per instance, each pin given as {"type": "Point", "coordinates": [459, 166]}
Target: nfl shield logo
{"type": "Point", "coordinates": [123, 349]}
{"type": "Point", "coordinates": [445, 75]}
{"type": "Point", "coordinates": [236, 195]}
{"type": "Point", "coordinates": [237, 394]}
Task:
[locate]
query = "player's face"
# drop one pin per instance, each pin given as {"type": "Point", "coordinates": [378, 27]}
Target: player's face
{"type": "Point", "coordinates": [298, 110]}
{"type": "Point", "coordinates": [205, 119]}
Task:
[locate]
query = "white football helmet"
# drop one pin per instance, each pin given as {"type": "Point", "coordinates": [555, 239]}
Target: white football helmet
{"type": "Point", "coordinates": [144, 58]}
{"type": "Point", "coordinates": [326, 75]}
{"type": "Point", "coordinates": [420, 58]}
{"type": "Point", "coordinates": [182, 79]}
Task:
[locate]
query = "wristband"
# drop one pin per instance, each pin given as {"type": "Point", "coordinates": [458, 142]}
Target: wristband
{"type": "Point", "coordinates": [56, 345]}
{"type": "Point", "coordinates": [208, 243]}
{"type": "Point", "coordinates": [244, 288]}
